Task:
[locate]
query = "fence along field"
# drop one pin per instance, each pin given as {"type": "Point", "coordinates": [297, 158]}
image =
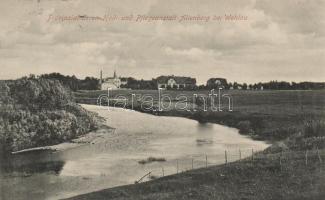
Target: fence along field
{"type": "Point", "coordinates": [280, 161]}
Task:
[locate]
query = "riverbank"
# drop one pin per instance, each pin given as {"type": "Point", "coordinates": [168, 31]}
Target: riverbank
{"type": "Point", "coordinates": [92, 137]}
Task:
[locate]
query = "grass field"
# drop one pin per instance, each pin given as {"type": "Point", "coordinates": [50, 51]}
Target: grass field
{"type": "Point", "coordinates": [290, 102]}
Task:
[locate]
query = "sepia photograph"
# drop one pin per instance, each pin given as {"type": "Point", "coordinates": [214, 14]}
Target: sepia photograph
{"type": "Point", "coordinates": [162, 100]}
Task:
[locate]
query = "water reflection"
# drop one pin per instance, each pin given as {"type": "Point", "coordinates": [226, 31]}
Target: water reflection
{"type": "Point", "coordinates": [26, 164]}
{"type": "Point", "coordinates": [204, 126]}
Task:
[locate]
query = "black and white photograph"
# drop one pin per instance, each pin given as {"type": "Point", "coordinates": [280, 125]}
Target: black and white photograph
{"type": "Point", "coordinates": [162, 100]}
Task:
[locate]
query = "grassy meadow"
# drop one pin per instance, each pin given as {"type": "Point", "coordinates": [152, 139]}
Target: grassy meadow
{"type": "Point", "coordinates": [269, 102]}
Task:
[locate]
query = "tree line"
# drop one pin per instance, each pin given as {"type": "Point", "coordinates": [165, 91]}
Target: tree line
{"type": "Point", "coordinates": [92, 83]}
{"type": "Point", "coordinates": [283, 85]}
{"type": "Point", "coordinates": [72, 82]}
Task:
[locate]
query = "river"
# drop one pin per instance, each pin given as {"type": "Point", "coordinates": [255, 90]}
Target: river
{"type": "Point", "coordinates": [115, 160]}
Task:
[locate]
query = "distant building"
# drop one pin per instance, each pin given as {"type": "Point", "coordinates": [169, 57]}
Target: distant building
{"type": "Point", "coordinates": [110, 82]}
{"type": "Point", "coordinates": [176, 82]}
{"type": "Point", "coordinates": [216, 83]}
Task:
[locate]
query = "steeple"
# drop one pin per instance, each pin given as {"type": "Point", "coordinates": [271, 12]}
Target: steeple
{"type": "Point", "coordinates": [115, 74]}
{"type": "Point", "coordinates": [101, 77]}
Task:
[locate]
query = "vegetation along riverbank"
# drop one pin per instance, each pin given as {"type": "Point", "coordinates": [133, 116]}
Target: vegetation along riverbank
{"type": "Point", "coordinates": [37, 112]}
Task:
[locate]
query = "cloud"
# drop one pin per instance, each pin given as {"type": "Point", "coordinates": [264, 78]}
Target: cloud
{"type": "Point", "coordinates": [280, 40]}
{"type": "Point", "coordinates": [296, 16]}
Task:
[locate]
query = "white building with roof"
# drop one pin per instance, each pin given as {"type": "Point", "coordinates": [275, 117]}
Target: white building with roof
{"type": "Point", "coordinates": [112, 83]}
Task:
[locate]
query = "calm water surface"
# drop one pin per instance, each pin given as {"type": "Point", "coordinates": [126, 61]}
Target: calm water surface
{"type": "Point", "coordinates": [114, 161]}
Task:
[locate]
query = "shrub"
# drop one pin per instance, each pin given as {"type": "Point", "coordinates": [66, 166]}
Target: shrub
{"type": "Point", "coordinates": [39, 94]}
{"type": "Point", "coordinates": [37, 112]}
{"type": "Point", "coordinates": [245, 127]}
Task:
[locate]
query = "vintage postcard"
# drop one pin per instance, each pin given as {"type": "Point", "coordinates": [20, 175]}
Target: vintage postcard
{"type": "Point", "coordinates": [162, 99]}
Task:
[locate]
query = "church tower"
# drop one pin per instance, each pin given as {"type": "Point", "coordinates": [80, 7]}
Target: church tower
{"type": "Point", "coordinates": [114, 76]}
{"type": "Point", "coordinates": [100, 79]}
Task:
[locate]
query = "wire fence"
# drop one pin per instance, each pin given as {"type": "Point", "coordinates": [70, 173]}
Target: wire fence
{"type": "Point", "coordinates": [199, 161]}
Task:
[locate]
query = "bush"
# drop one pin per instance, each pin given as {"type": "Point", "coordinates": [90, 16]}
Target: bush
{"type": "Point", "coordinates": [245, 127]}
{"type": "Point", "coordinates": [39, 94]}
{"type": "Point", "coordinates": [37, 112]}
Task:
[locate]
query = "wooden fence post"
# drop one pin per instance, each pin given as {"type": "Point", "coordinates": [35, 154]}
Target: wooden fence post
{"type": "Point", "coordinates": [252, 154]}
{"type": "Point", "coordinates": [177, 166]}
{"type": "Point", "coordinates": [163, 171]}
{"type": "Point", "coordinates": [306, 157]}
{"type": "Point", "coordinates": [239, 154]}
{"type": "Point", "coordinates": [319, 157]}
{"type": "Point", "coordinates": [280, 161]}
{"type": "Point", "coordinates": [192, 163]}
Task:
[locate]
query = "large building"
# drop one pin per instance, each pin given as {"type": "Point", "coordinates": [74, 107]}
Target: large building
{"type": "Point", "coordinates": [110, 82]}
{"type": "Point", "coordinates": [176, 82]}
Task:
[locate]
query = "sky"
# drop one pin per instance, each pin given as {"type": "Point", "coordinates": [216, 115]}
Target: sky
{"type": "Point", "coordinates": [279, 40]}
